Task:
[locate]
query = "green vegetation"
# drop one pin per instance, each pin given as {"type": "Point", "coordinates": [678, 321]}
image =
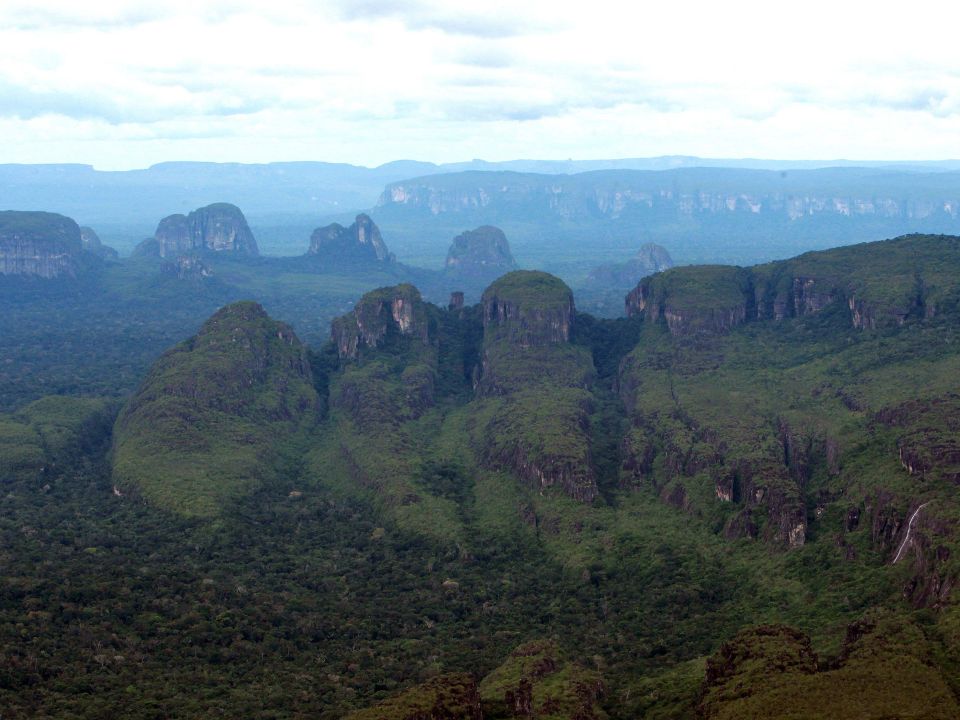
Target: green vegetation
{"type": "Point", "coordinates": [728, 523]}
{"type": "Point", "coordinates": [215, 413]}
{"type": "Point", "coordinates": [447, 696]}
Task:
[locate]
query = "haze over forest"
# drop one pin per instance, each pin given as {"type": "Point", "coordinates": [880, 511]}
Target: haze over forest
{"type": "Point", "coordinates": [652, 411]}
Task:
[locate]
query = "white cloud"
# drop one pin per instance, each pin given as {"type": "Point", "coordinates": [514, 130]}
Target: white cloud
{"type": "Point", "coordinates": [123, 83]}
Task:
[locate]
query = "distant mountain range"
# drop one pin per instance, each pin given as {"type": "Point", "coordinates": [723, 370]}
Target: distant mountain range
{"type": "Point", "coordinates": [565, 223]}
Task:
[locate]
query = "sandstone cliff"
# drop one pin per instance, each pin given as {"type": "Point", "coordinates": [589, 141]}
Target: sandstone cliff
{"type": "Point", "coordinates": [361, 243]}
{"type": "Point", "coordinates": [39, 244]}
{"type": "Point", "coordinates": [481, 252]}
{"type": "Point", "coordinates": [220, 227]}
{"type": "Point", "coordinates": [540, 382]}
{"type": "Point", "coordinates": [915, 272]}
{"type": "Point", "coordinates": [379, 316]}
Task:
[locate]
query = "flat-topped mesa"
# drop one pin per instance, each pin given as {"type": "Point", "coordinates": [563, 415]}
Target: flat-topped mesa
{"type": "Point", "coordinates": [528, 308]}
{"type": "Point", "coordinates": [220, 227]}
{"type": "Point", "coordinates": [693, 300]}
{"type": "Point", "coordinates": [379, 316]}
{"type": "Point", "coordinates": [359, 243]}
{"type": "Point", "coordinates": [483, 251]}
{"type": "Point", "coordinates": [91, 243]}
{"type": "Point", "coordinates": [540, 429]}
{"type": "Point", "coordinates": [39, 244]}
{"type": "Point", "coordinates": [880, 284]}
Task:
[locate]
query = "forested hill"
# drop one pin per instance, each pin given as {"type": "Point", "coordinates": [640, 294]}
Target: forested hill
{"type": "Point", "coordinates": [743, 497]}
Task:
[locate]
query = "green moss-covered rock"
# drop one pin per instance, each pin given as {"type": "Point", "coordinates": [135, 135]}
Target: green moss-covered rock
{"type": "Point", "coordinates": [447, 697]}
{"type": "Point", "coordinates": [381, 316]}
{"type": "Point", "coordinates": [537, 681]}
{"type": "Point", "coordinates": [884, 671]}
{"type": "Point", "coordinates": [208, 421]}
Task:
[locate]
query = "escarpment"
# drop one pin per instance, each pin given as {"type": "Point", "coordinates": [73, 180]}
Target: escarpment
{"type": "Point", "coordinates": [211, 418]}
{"type": "Point", "coordinates": [220, 227]}
{"type": "Point", "coordinates": [877, 284]}
{"type": "Point", "coordinates": [39, 244]}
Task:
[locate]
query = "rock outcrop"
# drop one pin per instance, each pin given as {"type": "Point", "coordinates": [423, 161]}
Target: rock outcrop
{"type": "Point", "coordinates": [359, 244]}
{"type": "Point", "coordinates": [537, 681]}
{"type": "Point", "coordinates": [528, 309]}
{"type": "Point", "coordinates": [649, 260]}
{"type": "Point", "coordinates": [884, 665]}
{"type": "Point", "coordinates": [380, 316]}
{"type": "Point", "coordinates": [482, 252]}
{"type": "Point", "coordinates": [203, 428]}
{"type": "Point", "coordinates": [186, 267]}
{"type": "Point", "coordinates": [220, 227]}
{"type": "Point", "coordinates": [693, 300]}
{"type": "Point", "coordinates": [714, 299]}
{"type": "Point", "coordinates": [91, 243]}
{"type": "Point", "coordinates": [446, 697]}
{"type": "Point", "coordinates": [39, 244]}
{"type": "Point", "coordinates": [541, 428]}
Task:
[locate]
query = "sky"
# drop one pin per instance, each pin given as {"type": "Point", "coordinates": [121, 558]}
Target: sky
{"type": "Point", "coordinates": [127, 84]}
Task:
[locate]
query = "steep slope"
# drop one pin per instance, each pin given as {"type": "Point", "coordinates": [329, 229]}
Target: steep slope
{"type": "Point", "coordinates": [748, 388]}
{"type": "Point", "coordinates": [884, 670]}
{"type": "Point", "coordinates": [220, 227]}
{"type": "Point", "coordinates": [534, 386]}
{"type": "Point", "coordinates": [213, 416]}
{"type": "Point", "coordinates": [360, 244]}
{"type": "Point", "coordinates": [480, 255]}
{"type": "Point", "coordinates": [39, 244]}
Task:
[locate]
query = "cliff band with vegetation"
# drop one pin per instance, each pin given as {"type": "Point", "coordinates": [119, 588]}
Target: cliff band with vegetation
{"type": "Point", "coordinates": [39, 244]}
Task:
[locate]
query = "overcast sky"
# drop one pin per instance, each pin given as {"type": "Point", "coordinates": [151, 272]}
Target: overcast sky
{"type": "Point", "coordinates": [121, 84]}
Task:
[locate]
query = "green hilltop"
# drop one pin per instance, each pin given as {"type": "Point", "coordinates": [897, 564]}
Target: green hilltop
{"type": "Point", "coordinates": [215, 413]}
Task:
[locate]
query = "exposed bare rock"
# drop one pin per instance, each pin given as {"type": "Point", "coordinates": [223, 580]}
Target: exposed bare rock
{"type": "Point", "coordinates": [39, 244]}
{"type": "Point", "coordinates": [220, 227]}
{"type": "Point", "coordinates": [361, 243]}
{"type": "Point", "coordinates": [378, 316]}
{"type": "Point", "coordinates": [483, 252]}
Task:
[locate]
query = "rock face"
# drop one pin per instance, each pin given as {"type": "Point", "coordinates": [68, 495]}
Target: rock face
{"type": "Point", "coordinates": [91, 243]}
{"type": "Point", "coordinates": [359, 244]}
{"type": "Point", "coordinates": [220, 227]}
{"type": "Point", "coordinates": [701, 299]}
{"type": "Point", "coordinates": [380, 315]}
{"type": "Point", "coordinates": [537, 681]}
{"type": "Point", "coordinates": [482, 252]}
{"type": "Point", "coordinates": [714, 299]}
{"type": "Point", "coordinates": [649, 260]}
{"type": "Point", "coordinates": [202, 430]}
{"type": "Point", "coordinates": [541, 381]}
{"type": "Point", "coordinates": [528, 309]}
{"type": "Point", "coordinates": [39, 244]}
{"type": "Point", "coordinates": [186, 267]}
